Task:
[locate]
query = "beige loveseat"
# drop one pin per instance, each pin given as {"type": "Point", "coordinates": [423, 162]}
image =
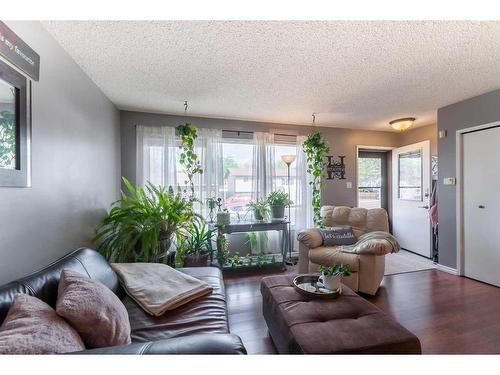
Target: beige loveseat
{"type": "Point", "coordinates": [367, 265]}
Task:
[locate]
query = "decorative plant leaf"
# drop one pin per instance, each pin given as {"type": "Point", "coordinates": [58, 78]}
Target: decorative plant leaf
{"type": "Point", "coordinates": [315, 148]}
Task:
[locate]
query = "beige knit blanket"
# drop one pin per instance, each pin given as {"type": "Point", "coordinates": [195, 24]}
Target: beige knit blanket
{"type": "Point", "coordinates": [157, 287]}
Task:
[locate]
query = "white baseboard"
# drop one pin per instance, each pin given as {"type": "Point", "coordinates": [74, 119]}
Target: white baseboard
{"type": "Point", "coordinates": [447, 269]}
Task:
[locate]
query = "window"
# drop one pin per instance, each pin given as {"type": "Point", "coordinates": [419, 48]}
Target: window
{"type": "Point", "coordinates": [238, 167]}
{"type": "Point", "coordinates": [237, 159]}
{"type": "Point", "coordinates": [14, 156]}
{"type": "Point", "coordinates": [410, 176]}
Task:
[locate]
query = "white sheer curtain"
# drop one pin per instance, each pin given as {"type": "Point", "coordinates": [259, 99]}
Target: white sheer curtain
{"type": "Point", "coordinates": [303, 199]}
{"type": "Point", "coordinates": [157, 161]}
{"type": "Point", "coordinates": [263, 164]}
{"type": "Point", "coordinates": [210, 184]}
{"type": "Point", "coordinates": [264, 172]}
{"type": "Point", "coordinates": [156, 155]}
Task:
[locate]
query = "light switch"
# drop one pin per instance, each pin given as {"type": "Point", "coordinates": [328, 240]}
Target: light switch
{"type": "Point", "coordinates": [348, 184]}
{"type": "Point", "coordinates": [449, 181]}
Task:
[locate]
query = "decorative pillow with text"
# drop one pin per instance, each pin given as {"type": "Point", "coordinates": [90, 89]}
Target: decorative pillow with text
{"type": "Point", "coordinates": [337, 236]}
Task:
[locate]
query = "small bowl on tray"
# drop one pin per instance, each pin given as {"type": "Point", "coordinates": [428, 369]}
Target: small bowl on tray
{"type": "Point", "coordinates": [309, 286]}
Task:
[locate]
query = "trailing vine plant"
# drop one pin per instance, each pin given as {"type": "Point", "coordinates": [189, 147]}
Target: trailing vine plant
{"type": "Point", "coordinates": [188, 159]}
{"type": "Point", "coordinates": [315, 148]}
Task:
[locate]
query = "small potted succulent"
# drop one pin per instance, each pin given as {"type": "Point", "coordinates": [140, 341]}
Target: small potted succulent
{"type": "Point", "coordinates": [260, 209]}
{"type": "Point", "coordinates": [197, 246]}
{"type": "Point", "coordinates": [331, 276]}
{"type": "Point", "coordinates": [277, 201]}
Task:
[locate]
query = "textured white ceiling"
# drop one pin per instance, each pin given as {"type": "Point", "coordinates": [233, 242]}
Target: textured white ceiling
{"type": "Point", "coordinates": [354, 74]}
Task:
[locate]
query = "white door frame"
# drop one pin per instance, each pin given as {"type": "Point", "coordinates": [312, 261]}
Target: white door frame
{"type": "Point", "coordinates": [361, 147]}
{"type": "Point", "coordinates": [460, 190]}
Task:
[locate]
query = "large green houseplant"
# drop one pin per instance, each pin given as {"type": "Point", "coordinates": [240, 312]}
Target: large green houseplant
{"type": "Point", "coordinates": [315, 148]}
{"type": "Point", "coordinates": [142, 225]}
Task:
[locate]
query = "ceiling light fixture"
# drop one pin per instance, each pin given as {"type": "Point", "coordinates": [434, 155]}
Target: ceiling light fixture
{"type": "Point", "coordinates": [402, 124]}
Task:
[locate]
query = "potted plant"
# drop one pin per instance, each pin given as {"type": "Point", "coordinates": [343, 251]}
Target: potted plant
{"type": "Point", "coordinates": [140, 226]}
{"type": "Point", "coordinates": [197, 245]}
{"type": "Point", "coordinates": [331, 276]}
{"type": "Point", "coordinates": [260, 209]}
{"type": "Point", "coordinates": [277, 201]}
{"type": "Point", "coordinates": [223, 217]}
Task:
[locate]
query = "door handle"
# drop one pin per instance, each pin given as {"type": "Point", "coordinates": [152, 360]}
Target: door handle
{"type": "Point", "coordinates": [426, 207]}
{"type": "Point", "coordinates": [481, 206]}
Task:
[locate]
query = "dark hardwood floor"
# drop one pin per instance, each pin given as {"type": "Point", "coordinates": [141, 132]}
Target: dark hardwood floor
{"type": "Point", "coordinates": [449, 314]}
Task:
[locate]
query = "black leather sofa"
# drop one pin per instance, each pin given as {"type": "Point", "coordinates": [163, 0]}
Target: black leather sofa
{"type": "Point", "coordinates": [200, 327]}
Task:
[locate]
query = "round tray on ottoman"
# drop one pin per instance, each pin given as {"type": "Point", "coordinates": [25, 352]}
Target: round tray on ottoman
{"type": "Point", "coordinates": [308, 286]}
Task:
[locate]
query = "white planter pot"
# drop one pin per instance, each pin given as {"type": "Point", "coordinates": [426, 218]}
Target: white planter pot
{"type": "Point", "coordinates": [330, 282]}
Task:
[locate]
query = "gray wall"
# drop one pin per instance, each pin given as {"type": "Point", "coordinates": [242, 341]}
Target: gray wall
{"type": "Point", "coordinates": [75, 163]}
{"type": "Point", "coordinates": [479, 110]}
{"type": "Point", "coordinates": [341, 141]}
{"type": "Point", "coordinates": [423, 133]}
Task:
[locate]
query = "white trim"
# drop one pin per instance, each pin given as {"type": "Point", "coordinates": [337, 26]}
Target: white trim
{"type": "Point", "coordinates": [358, 147]}
{"type": "Point", "coordinates": [459, 190]}
{"type": "Point", "coordinates": [381, 148]}
{"type": "Point", "coordinates": [446, 269]}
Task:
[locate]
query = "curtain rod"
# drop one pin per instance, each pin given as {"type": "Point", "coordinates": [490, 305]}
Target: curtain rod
{"type": "Point", "coordinates": [248, 132]}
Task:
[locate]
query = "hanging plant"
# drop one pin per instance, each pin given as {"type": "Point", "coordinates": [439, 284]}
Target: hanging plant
{"type": "Point", "coordinates": [188, 158]}
{"type": "Point", "coordinates": [316, 149]}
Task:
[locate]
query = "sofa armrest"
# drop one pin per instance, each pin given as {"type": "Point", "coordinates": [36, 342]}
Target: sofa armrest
{"type": "Point", "coordinates": [195, 344]}
{"type": "Point", "coordinates": [311, 238]}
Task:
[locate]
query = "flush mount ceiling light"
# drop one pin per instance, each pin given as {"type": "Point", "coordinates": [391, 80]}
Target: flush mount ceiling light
{"type": "Point", "coordinates": [402, 124]}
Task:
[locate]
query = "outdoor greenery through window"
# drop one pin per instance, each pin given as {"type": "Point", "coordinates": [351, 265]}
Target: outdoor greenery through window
{"type": "Point", "coordinates": [8, 141]}
{"type": "Point", "coordinates": [369, 181]}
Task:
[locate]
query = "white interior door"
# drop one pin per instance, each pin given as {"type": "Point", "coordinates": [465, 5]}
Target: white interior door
{"type": "Point", "coordinates": [411, 171]}
{"type": "Point", "coordinates": [481, 205]}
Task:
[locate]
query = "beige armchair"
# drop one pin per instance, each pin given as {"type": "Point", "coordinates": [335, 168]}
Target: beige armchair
{"type": "Point", "coordinates": [366, 264]}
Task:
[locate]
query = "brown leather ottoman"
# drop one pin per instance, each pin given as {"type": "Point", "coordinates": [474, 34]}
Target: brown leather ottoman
{"type": "Point", "coordinates": [349, 324]}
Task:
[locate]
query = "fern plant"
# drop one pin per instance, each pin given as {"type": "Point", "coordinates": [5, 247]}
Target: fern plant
{"type": "Point", "coordinates": [315, 148]}
{"type": "Point", "coordinates": [142, 225]}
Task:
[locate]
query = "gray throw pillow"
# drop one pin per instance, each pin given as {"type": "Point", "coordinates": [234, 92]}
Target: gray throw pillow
{"type": "Point", "coordinates": [33, 327]}
{"type": "Point", "coordinates": [93, 310]}
{"type": "Point", "coordinates": [337, 236]}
